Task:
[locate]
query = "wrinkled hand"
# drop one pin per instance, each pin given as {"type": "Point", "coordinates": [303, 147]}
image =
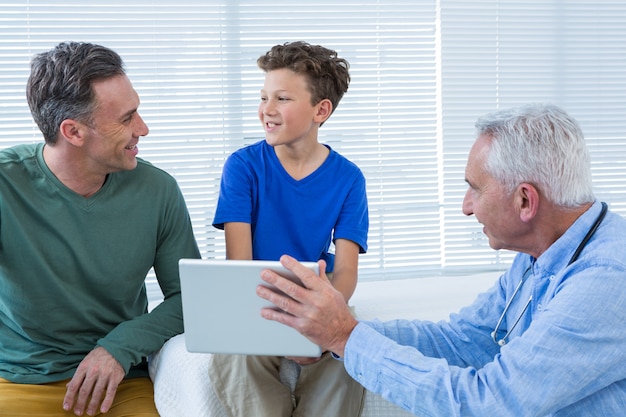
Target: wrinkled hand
{"type": "Point", "coordinates": [98, 376]}
{"type": "Point", "coordinates": [317, 310]}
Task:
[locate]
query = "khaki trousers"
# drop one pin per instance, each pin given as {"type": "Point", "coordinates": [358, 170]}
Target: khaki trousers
{"type": "Point", "coordinates": [134, 398]}
{"type": "Point", "coordinates": [250, 386]}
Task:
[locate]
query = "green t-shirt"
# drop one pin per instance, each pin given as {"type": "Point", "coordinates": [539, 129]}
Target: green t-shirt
{"type": "Point", "coordinates": [72, 269]}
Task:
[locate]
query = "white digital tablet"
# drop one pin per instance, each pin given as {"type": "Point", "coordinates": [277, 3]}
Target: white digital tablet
{"type": "Point", "coordinates": [222, 312]}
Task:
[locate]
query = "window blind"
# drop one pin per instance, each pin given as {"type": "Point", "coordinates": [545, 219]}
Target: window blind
{"type": "Point", "coordinates": [422, 72]}
{"type": "Point", "coordinates": [498, 54]}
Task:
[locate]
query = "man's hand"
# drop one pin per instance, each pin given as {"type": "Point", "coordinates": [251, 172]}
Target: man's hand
{"type": "Point", "coordinates": [316, 310]}
{"type": "Point", "coordinates": [97, 377]}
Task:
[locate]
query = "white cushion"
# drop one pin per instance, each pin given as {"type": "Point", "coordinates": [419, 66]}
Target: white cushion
{"type": "Point", "coordinates": [182, 387]}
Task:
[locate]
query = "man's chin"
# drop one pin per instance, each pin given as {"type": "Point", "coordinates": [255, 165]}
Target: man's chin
{"type": "Point", "coordinates": [128, 165]}
{"type": "Point", "coordinates": [131, 163]}
{"type": "Point", "coordinates": [493, 243]}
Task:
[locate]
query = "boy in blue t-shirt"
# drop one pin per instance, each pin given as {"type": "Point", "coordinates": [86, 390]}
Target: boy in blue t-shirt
{"type": "Point", "coordinates": [290, 194]}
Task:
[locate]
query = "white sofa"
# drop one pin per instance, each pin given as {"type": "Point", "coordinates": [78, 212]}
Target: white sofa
{"type": "Point", "coordinates": [182, 387]}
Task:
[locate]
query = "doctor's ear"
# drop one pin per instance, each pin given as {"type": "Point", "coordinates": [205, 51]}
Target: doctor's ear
{"type": "Point", "coordinates": [527, 199]}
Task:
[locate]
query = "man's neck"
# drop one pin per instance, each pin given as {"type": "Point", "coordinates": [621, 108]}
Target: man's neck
{"type": "Point", "coordinates": [554, 224]}
{"type": "Point", "coordinates": [71, 171]}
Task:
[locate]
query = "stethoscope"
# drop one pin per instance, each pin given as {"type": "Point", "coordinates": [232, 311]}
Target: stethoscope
{"type": "Point", "coordinates": [592, 230]}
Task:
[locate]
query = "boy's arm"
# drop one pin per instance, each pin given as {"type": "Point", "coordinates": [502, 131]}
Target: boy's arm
{"type": "Point", "coordinates": [238, 237]}
{"type": "Point", "coordinates": [344, 278]}
{"type": "Point", "coordinates": [345, 274]}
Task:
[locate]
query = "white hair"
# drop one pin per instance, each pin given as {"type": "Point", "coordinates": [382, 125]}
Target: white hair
{"type": "Point", "coordinates": [542, 145]}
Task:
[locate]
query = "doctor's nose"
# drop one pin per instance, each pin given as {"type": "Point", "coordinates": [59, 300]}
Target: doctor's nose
{"type": "Point", "coordinates": [468, 207]}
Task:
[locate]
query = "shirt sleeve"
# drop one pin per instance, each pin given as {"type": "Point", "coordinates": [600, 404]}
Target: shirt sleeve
{"type": "Point", "coordinates": [353, 222]}
{"type": "Point", "coordinates": [132, 341]}
{"type": "Point", "coordinates": [237, 185]}
{"type": "Point", "coordinates": [571, 350]}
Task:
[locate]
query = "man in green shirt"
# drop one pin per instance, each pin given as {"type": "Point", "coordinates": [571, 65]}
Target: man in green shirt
{"type": "Point", "coordinates": [82, 221]}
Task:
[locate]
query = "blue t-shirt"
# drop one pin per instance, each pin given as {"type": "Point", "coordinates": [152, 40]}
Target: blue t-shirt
{"type": "Point", "coordinates": [288, 216]}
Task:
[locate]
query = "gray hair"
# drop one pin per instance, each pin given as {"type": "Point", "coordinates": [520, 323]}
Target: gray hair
{"type": "Point", "coordinates": [542, 145]}
{"type": "Point", "coordinates": [60, 83]}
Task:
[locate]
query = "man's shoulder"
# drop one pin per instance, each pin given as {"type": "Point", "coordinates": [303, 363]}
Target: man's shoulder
{"type": "Point", "coordinates": [148, 168]}
{"type": "Point", "coordinates": [612, 235]}
{"type": "Point", "coordinates": [18, 153]}
{"type": "Point", "coordinates": [148, 173]}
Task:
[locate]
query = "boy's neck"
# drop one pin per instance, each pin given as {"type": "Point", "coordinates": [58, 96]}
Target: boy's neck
{"type": "Point", "coordinates": [301, 162]}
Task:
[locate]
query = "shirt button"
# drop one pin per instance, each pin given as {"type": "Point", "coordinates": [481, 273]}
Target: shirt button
{"type": "Point", "coordinates": [540, 307]}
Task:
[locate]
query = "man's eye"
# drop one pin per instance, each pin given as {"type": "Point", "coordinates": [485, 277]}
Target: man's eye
{"type": "Point", "coordinates": [128, 118]}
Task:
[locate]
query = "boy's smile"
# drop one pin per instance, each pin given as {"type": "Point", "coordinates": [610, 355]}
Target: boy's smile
{"type": "Point", "coordinates": [286, 111]}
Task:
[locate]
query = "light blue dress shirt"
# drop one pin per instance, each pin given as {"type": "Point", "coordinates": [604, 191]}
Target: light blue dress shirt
{"type": "Point", "coordinates": [565, 357]}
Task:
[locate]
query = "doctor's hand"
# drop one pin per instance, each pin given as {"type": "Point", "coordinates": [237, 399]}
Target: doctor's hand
{"type": "Point", "coordinates": [96, 380]}
{"type": "Point", "coordinates": [316, 309]}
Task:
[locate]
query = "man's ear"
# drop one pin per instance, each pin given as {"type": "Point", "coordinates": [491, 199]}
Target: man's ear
{"type": "Point", "coordinates": [527, 198]}
{"type": "Point", "coordinates": [324, 110]}
{"type": "Point", "coordinates": [73, 131]}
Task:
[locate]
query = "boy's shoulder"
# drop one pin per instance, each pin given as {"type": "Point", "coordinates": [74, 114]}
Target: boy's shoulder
{"type": "Point", "coordinates": [340, 159]}
{"type": "Point", "coordinates": [254, 148]}
{"type": "Point", "coordinates": [261, 151]}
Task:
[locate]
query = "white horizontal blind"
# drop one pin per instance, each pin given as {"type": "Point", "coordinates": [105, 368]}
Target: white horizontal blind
{"type": "Point", "coordinates": [422, 71]}
{"type": "Point", "coordinates": [194, 66]}
{"type": "Point", "coordinates": [498, 54]}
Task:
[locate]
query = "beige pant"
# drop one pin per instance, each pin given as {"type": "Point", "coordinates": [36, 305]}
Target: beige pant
{"type": "Point", "coordinates": [249, 385]}
{"type": "Point", "coordinates": [134, 398]}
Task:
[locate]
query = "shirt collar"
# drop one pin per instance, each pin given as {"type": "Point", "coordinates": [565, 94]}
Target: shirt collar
{"type": "Point", "coordinates": [560, 252]}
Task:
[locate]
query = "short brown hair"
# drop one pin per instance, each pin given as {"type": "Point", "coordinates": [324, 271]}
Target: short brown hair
{"type": "Point", "coordinates": [327, 74]}
{"type": "Point", "coordinates": [60, 83]}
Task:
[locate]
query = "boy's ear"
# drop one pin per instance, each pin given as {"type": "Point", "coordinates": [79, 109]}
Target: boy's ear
{"type": "Point", "coordinates": [73, 131]}
{"type": "Point", "coordinates": [324, 110]}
